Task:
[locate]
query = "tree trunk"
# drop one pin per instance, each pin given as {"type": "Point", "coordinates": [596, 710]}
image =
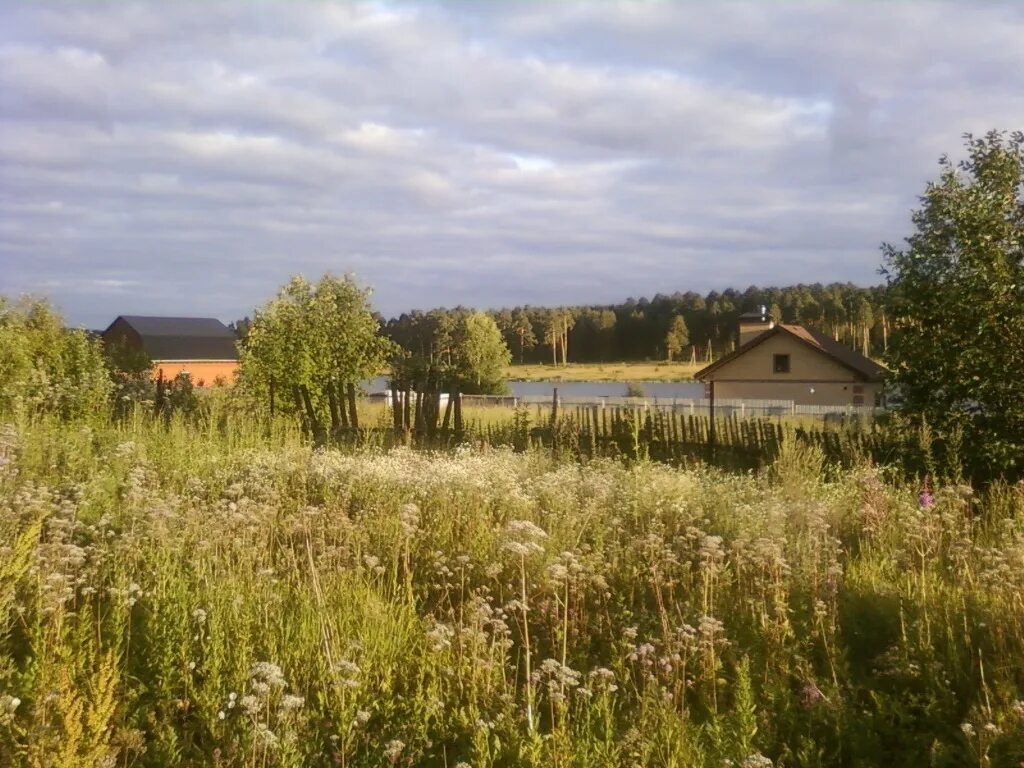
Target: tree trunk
{"type": "Point", "coordinates": [332, 404]}
{"type": "Point", "coordinates": [314, 422]}
{"type": "Point", "coordinates": [353, 416]}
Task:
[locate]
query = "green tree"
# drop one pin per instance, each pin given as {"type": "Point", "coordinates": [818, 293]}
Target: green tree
{"type": "Point", "coordinates": [308, 346]}
{"type": "Point", "coordinates": [956, 298]}
{"type": "Point", "coordinates": [45, 367]}
{"type": "Point", "coordinates": [480, 355]}
{"type": "Point", "coordinates": [522, 328]}
{"type": "Point", "coordinates": [677, 338]}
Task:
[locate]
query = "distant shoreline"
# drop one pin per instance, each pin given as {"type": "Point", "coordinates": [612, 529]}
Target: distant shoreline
{"type": "Point", "coordinates": [612, 371]}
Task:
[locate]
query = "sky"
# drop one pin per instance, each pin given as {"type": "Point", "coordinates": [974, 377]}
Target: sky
{"type": "Point", "coordinates": [186, 159]}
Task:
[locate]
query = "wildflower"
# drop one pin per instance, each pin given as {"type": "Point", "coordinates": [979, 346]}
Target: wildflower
{"type": "Point", "coordinates": [409, 517]}
{"type": "Point", "coordinates": [925, 499]}
{"type": "Point", "coordinates": [199, 615]}
{"type": "Point", "coordinates": [266, 675]}
{"type": "Point", "coordinates": [756, 760]}
{"type": "Point", "coordinates": [393, 750]}
{"type": "Point", "coordinates": [251, 705]}
{"type": "Point", "coordinates": [348, 673]}
{"type": "Point", "coordinates": [290, 701]}
{"type": "Point", "coordinates": [811, 695]}
{"type": "Point", "coordinates": [362, 717]}
{"type": "Point", "coordinates": [968, 729]}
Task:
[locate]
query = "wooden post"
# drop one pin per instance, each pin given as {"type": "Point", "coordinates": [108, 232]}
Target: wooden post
{"type": "Point", "coordinates": [458, 413]}
{"type": "Point", "coordinates": [711, 415]}
{"type": "Point", "coordinates": [554, 406]}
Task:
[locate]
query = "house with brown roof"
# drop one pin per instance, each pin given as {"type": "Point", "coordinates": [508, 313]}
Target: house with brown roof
{"type": "Point", "coordinates": [790, 362]}
{"type": "Point", "coordinates": [201, 347]}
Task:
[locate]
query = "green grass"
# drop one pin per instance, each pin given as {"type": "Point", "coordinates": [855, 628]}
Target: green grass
{"type": "Point", "coordinates": [621, 371]}
{"type": "Point", "coordinates": [223, 595]}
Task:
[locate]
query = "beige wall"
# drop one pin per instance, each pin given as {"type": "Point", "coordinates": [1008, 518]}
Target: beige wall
{"type": "Point", "coordinates": [202, 372]}
{"type": "Point", "coordinates": [825, 393]}
{"type": "Point", "coordinates": [751, 376]}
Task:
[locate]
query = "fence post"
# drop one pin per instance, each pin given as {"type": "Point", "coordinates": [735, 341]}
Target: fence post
{"type": "Point", "coordinates": [711, 417]}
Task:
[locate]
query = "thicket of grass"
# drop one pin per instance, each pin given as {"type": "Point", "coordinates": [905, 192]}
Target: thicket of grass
{"type": "Point", "coordinates": [174, 595]}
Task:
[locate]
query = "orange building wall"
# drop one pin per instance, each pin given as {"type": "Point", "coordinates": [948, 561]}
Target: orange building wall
{"type": "Point", "coordinates": [202, 372]}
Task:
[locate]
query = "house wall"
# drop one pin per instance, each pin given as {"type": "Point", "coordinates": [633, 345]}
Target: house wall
{"type": "Point", "coordinates": [202, 372]}
{"type": "Point", "coordinates": [122, 333]}
{"type": "Point", "coordinates": [825, 393]}
{"type": "Point", "coordinates": [752, 376]}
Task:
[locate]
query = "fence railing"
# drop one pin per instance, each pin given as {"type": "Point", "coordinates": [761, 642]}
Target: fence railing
{"type": "Point", "coordinates": [726, 407]}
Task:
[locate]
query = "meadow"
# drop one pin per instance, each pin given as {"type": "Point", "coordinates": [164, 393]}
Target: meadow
{"type": "Point", "coordinates": [616, 371]}
{"type": "Point", "coordinates": [219, 593]}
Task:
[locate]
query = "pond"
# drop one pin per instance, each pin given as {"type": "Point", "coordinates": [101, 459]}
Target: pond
{"type": "Point", "coordinates": [663, 390]}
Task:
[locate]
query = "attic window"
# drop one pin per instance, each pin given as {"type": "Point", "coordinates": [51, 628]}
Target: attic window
{"type": "Point", "coordinates": [780, 363]}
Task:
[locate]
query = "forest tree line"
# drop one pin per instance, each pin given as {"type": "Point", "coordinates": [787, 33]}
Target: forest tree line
{"type": "Point", "coordinates": [680, 326]}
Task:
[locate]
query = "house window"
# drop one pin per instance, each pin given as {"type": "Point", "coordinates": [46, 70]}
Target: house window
{"type": "Point", "coordinates": [780, 363]}
{"type": "Point", "coordinates": [858, 399]}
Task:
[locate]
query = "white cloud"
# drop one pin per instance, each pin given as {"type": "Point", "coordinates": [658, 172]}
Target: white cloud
{"type": "Point", "coordinates": [187, 158]}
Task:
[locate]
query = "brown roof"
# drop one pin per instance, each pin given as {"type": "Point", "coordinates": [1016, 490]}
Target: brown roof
{"type": "Point", "coordinates": [837, 351]}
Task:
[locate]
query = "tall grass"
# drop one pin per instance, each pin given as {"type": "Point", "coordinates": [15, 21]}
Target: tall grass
{"type": "Point", "coordinates": [228, 596]}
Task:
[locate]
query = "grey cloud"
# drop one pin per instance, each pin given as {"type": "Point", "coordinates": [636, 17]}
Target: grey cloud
{"type": "Point", "coordinates": [186, 158]}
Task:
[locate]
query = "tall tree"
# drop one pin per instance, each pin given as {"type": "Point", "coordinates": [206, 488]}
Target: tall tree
{"type": "Point", "coordinates": [677, 338]}
{"type": "Point", "coordinates": [308, 344]}
{"type": "Point", "coordinates": [480, 355]}
{"type": "Point", "coordinates": [522, 329]}
{"type": "Point", "coordinates": [956, 297]}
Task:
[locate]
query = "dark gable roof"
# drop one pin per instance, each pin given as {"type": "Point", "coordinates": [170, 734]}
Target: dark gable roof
{"type": "Point", "coordinates": [183, 338]}
{"type": "Point", "coordinates": [837, 351]}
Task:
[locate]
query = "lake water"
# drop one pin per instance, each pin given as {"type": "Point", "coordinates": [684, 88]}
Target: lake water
{"type": "Point", "coordinates": [663, 390]}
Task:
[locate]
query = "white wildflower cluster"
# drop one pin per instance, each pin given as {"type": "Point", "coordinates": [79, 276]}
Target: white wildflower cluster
{"type": "Point", "coordinates": [522, 538]}
{"type": "Point", "coordinates": [393, 750]}
{"type": "Point", "coordinates": [566, 568]}
{"type": "Point", "coordinates": [409, 518]}
{"type": "Point", "coordinates": [347, 674]}
{"type": "Point", "coordinates": [756, 760]}
{"type": "Point", "coordinates": [557, 679]}
{"type": "Point", "coordinates": [601, 681]}
{"type": "Point", "coordinates": [8, 706]}
{"type": "Point", "coordinates": [439, 636]}
{"type": "Point", "coordinates": [265, 677]}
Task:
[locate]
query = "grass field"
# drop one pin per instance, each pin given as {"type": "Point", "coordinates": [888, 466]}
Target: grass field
{"type": "Point", "coordinates": [221, 594]}
{"type": "Point", "coordinates": [622, 371]}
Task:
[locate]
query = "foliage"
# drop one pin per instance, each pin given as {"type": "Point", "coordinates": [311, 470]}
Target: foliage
{"type": "Point", "coordinates": [132, 373]}
{"type": "Point", "coordinates": [481, 356]}
{"type": "Point", "coordinates": [45, 367]}
{"type": "Point", "coordinates": [958, 293]}
{"type": "Point", "coordinates": [677, 338]}
{"type": "Point", "coordinates": [173, 596]}
{"type": "Point", "coordinates": [309, 343]}
{"type": "Point", "coordinates": [637, 328]}
{"type": "Point", "coordinates": [455, 350]}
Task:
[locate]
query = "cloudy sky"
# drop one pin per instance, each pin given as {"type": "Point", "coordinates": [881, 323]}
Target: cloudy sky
{"type": "Point", "coordinates": [186, 159]}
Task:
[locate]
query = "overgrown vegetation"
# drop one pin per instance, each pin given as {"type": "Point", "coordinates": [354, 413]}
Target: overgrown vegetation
{"type": "Point", "coordinates": [216, 594]}
{"type": "Point", "coordinates": [957, 293]}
